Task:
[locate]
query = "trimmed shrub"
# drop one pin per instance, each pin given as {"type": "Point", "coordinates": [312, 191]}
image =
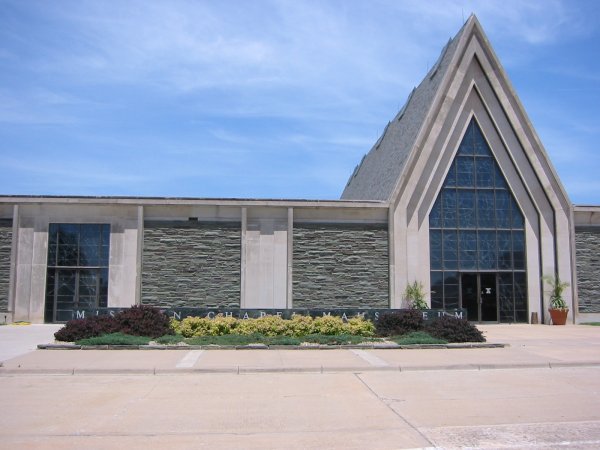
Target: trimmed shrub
{"type": "Point", "coordinates": [328, 325]}
{"type": "Point", "coordinates": [170, 339]}
{"type": "Point", "coordinates": [85, 328]}
{"type": "Point", "coordinates": [359, 326]}
{"type": "Point", "coordinates": [300, 325]}
{"type": "Point", "coordinates": [401, 322]}
{"type": "Point", "coordinates": [418, 337]}
{"type": "Point", "coordinates": [270, 325]}
{"type": "Point", "coordinates": [331, 339]}
{"type": "Point", "coordinates": [194, 326]}
{"type": "Point", "coordinates": [142, 320]}
{"type": "Point", "coordinates": [115, 339]}
{"type": "Point", "coordinates": [454, 330]}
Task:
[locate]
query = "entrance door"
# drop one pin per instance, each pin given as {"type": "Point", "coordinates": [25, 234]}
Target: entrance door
{"type": "Point", "coordinates": [479, 296]}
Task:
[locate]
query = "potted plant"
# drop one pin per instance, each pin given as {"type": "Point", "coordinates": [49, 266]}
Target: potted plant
{"type": "Point", "coordinates": [415, 296]}
{"type": "Point", "coordinates": [558, 307]}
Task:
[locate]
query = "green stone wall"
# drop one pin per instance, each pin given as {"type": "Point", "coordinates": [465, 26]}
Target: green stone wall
{"type": "Point", "coordinates": [340, 266]}
{"type": "Point", "coordinates": [191, 264]}
{"type": "Point", "coordinates": [587, 244]}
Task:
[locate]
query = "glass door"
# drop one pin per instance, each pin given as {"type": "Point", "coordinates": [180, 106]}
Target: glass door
{"type": "Point", "coordinates": [479, 296]}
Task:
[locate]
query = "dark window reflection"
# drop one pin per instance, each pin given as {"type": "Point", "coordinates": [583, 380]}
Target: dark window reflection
{"type": "Point", "coordinates": [77, 275]}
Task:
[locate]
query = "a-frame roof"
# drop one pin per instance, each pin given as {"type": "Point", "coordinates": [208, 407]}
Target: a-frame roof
{"type": "Point", "coordinates": [380, 174]}
{"type": "Point", "coordinates": [376, 175]}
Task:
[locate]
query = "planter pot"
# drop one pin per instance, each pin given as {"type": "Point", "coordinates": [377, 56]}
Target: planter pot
{"type": "Point", "coordinates": [559, 316]}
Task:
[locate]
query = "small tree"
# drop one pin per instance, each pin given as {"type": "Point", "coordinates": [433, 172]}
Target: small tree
{"type": "Point", "coordinates": [556, 290]}
{"type": "Point", "coordinates": [414, 295]}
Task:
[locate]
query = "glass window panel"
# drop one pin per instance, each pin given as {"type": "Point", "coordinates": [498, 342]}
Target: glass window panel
{"type": "Point", "coordinates": [466, 208]}
{"type": "Point", "coordinates": [450, 250]}
{"type": "Point", "coordinates": [466, 145]}
{"type": "Point", "coordinates": [89, 256]}
{"type": "Point", "coordinates": [91, 235]}
{"type": "Point", "coordinates": [517, 217]}
{"type": "Point", "coordinates": [435, 216]}
{"type": "Point", "coordinates": [106, 235]}
{"type": "Point", "coordinates": [499, 181]}
{"type": "Point", "coordinates": [437, 290]}
{"type": "Point", "coordinates": [435, 249]}
{"type": "Point", "coordinates": [86, 302]}
{"type": "Point", "coordinates": [68, 234]}
{"type": "Point", "coordinates": [484, 168]}
{"type": "Point", "coordinates": [467, 244]}
{"type": "Point", "coordinates": [487, 250]}
{"type": "Point", "coordinates": [480, 145]}
{"type": "Point", "coordinates": [449, 208]}
{"type": "Point", "coordinates": [518, 249]}
{"type": "Point", "coordinates": [504, 250]}
{"type": "Point", "coordinates": [450, 278]}
{"type": "Point", "coordinates": [485, 209]}
{"type": "Point", "coordinates": [68, 255]}
{"type": "Point", "coordinates": [465, 171]}
{"type": "Point", "coordinates": [503, 209]}
{"type": "Point", "coordinates": [451, 177]}
{"type": "Point", "coordinates": [520, 291]}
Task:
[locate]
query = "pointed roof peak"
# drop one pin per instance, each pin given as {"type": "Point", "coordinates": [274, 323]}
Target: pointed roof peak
{"type": "Point", "coordinates": [376, 175]}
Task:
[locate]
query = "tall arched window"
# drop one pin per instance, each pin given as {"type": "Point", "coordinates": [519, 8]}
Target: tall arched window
{"type": "Point", "coordinates": [477, 238]}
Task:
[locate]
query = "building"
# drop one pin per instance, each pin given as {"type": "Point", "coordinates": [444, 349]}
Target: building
{"type": "Point", "coordinates": [458, 193]}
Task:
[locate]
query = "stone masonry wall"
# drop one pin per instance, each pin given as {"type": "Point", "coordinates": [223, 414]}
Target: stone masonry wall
{"type": "Point", "coordinates": [340, 266]}
{"type": "Point", "coordinates": [587, 243]}
{"type": "Point", "coordinates": [5, 250]}
{"type": "Point", "coordinates": [191, 264]}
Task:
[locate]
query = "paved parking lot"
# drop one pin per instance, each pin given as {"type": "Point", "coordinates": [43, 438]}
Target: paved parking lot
{"type": "Point", "coordinates": [542, 391]}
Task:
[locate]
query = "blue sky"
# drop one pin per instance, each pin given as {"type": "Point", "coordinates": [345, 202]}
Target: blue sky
{"type": "Point", "coordinates": [270, 99]}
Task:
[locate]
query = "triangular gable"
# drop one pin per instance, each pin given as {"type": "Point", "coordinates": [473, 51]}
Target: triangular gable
{"type": "Point", "coordinates": [378, 172]}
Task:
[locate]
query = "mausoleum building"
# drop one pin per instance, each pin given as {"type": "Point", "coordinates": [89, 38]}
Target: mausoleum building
{"type": "Point", "coordinates": [457, 194]}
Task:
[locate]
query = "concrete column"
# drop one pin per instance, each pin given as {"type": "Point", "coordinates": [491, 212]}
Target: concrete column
{"type": "Point", "coordinates": [140, 254]}
{"type": "Point", "coordinates": [290, 257]}
{"type": "Point", "coordinates": [13, 261]}
{"type": "Point", "coordinates": [243, 258]}
{"type": "Point", "coordinates": [392, 257]}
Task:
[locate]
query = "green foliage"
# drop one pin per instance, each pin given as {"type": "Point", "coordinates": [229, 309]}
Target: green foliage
{"type": "Point", "coordinates": [338, 339]}
{"type": "Point", "coordinates": [329, 325]}
{"type": "Point", "coordinates": [452, 329]}
{"type": "Point", "coordinates": [115, 339]}
{"type": "Point", "coordinates": [418, 337]}
{"type": "Point", "coordinates": [271, 326]}
{"type": "Point", "coordinates": [194, 326]}
{"type": "Point", "coordinates": [300, 325]}
{"type": "Point", "coordinates": [593, 324]}
{"type": "Point", "coordinates": [170, 339]}
{"type": "Point", "coordinates": [414, 295]}
{"type": "Point", "coordinates": [92, 326]}
{"type": "Point", "coordinates": [556, 290]}
{"type": "Point", "coordinates": [399, 323]}
{"type": "Point", "coordinates": [226, 339]}
{"type": "Point", "coordinates": [359, 326]}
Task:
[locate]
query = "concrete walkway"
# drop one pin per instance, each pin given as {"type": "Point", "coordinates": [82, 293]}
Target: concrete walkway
{"type": "Point", "coordinates": [530, 346]}
{"type": "Point", "coordinates": [546, 395]}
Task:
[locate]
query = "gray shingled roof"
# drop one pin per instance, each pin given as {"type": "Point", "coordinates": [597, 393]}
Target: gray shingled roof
{"type": "Point", "coordinates": [376, 175]}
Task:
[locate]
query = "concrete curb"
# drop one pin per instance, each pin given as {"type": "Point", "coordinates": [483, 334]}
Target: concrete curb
{"type": "Point", "coordinates": [387, 346]}
{"type": "Point", "coordinates": [291, 370]}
